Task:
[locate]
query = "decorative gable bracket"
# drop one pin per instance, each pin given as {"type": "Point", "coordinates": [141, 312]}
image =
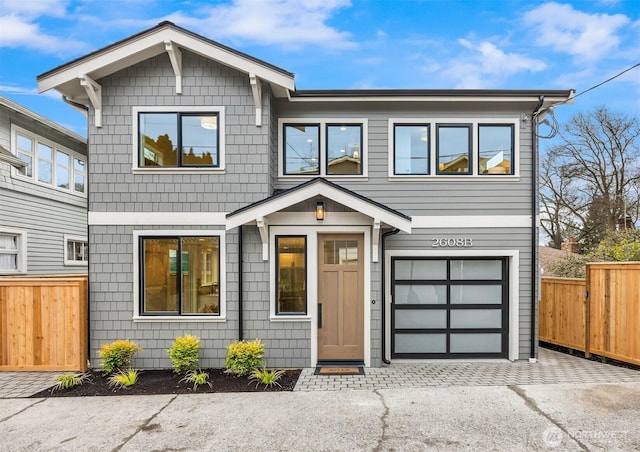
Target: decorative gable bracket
{"type": "Point", "coordinates": [375, 240]}
{"type": "Point", "coordinates": [263, 227]}
{"type": "Point", "coordinates": [256, 88]}
{"type": "Point", "coordinates": [94, 92]}
{"type": "Point", "coordinates": [175, 56]}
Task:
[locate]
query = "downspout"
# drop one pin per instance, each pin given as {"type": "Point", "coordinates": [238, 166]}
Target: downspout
{"type": "Point", "coordinates": [78, 106]}
{"type": "Point", "coordinates": [240, 284]}
{"type": "Point", "coordinates": [534, 226]}
{"type": "Point", "coordinates": [382, 289]}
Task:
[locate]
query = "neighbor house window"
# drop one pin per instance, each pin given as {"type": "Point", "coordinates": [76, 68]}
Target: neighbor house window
{"type": "Point", "coordinates": [172, 140]}
{"type": "Point", "coordinates": [453, 149]}
{"type": "Point", "coordinates": [323, 148]}
{"type": "Point", "coordinates": [76, 251]}
{"type": "Point", "coordinates": [180, 275]}
{"type": "Point", "coordinates": [48, 163]}
{"type": "Point", "coordinates": [411, 149]}
{"type": "Point", "coordinates": [12, 252]}
{"type": "Point", "coordinates": [495, 143]}
{"type": "Point", "coordinates": [291, 265]}
{"type": "Point", "coordinates": [302, 149]}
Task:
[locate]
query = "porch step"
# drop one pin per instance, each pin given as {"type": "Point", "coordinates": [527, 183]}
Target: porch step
{"type": "Point", "coordinates": [340, 368]}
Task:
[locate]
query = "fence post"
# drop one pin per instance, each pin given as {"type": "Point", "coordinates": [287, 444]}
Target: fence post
{"type": "Point", "coordinates": [587, 312]}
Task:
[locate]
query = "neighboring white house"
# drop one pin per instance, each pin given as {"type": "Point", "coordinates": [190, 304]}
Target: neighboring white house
{"type": "Point", "coordinates": [43, 195]}
{"type": "Point", "coordinates": [360, 225]}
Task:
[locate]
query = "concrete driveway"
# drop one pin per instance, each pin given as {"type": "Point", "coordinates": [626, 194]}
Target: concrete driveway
{"type": "Point", "coordinates": [583, 416]}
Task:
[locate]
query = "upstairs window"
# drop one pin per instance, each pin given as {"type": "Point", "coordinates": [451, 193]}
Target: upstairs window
{"type": "Point", "coordinates": [495, 148]}
{"type": "Point", "coordinates": [453, 149]}
{"type": "Point", "coordinates": [323, 148]}
{"type": "Point", "coordinates": [179, 140]}
{"type": "Point", "coordinates": [411, 149]}
{"type": "Point", "coordinates": [48, 163]}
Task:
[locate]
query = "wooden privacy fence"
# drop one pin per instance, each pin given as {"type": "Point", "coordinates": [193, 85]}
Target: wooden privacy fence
{"type": "Point", "coordinates": [43, 323]}
{"type": "Point", "coordinates": [599, 315]}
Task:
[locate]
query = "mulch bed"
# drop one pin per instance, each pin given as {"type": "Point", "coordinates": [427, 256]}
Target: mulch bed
{"type": "Point", "coordinates": [167, 382]}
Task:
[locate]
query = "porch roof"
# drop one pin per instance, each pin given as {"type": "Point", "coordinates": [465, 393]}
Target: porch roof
{"type": "Point", "coordinates": [319, 187]}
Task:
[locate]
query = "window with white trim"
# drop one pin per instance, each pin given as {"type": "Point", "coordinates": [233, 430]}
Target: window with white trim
{"type": "Point", "coordinates": [48, 163]}
{"type": "Point", "coordinates": [324, 147]}
{"type": "Point", "coordinates": [13, 257]}
{"type": "Point", "coordinates": [76, 250]}
{"type": "Point", "coordinates": [178, 139]}
{"type": "Point", "coordinates": [453, 147]}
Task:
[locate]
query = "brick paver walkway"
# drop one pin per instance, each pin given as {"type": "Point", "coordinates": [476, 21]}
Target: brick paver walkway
{"type": "Point", "coordinates": [552, 367]}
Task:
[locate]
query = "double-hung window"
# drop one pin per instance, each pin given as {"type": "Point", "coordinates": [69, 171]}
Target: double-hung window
{"type": "Point", "coordinates": [449, 147]}
{"type": "Point", "coordinates": [291, 270]}
{"type": "Point", "coordinates": [49, 163]}
{"type": "Point", "coordinates": [13, 257]}
{"type": "Point", "coordinates": [323, 148]}
{"type": "Point", "coordinates": [179, 275]}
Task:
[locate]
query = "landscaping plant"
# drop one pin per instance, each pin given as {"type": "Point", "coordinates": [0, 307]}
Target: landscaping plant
{"type": "Point", "coordinates": [244, 356]}
{"type": "Point", "coordinates": [266, 377]}
{"type": "Point", "coordinates": [118, 355]}
{"type": "Point", "coordinates": [197, 377]}
{"type": "Point", "coordinates": [123, 378]}
{"type": "Point", "coordinates": [68, 381]}
{"type": "Point", "coordinates": [184, 353]}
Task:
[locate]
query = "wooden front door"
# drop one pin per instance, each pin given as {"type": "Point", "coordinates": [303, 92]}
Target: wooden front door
{"type": "Point", "coordinates": [341, 297]}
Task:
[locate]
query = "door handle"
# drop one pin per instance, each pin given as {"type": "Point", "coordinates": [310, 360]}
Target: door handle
{"type": "Point", "coordinates": [319, 315]}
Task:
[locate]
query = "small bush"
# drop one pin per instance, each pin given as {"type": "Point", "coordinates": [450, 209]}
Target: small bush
{"type": "Point", "coordinates": [69, 381]}
{"type": "Point", "coordinates": [184, 353]}
{"type": "Point", "coordinates": [118, 355]}
{"type": "Point", "coordinates": [244, 356]}
{"type": "Point", "coordinates": [197, 377]}
{"type": "Point", "coordinates": [124, 378]}
{"type": "Point", "coordinates": [266, 377]}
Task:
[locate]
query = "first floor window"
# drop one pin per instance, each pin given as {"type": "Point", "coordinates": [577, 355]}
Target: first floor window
{"type": "Point", "coordinates": [291, 265]}
{"type": "Point", "coordinates": [180, 275]}
{"type": "Point", "coordinates": [11, 253]}
{"type": "Point", "coordinates": [76, 251]}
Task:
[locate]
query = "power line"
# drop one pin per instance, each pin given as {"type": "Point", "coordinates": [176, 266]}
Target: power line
{"type": "Point", "coordinates": [607, 80]}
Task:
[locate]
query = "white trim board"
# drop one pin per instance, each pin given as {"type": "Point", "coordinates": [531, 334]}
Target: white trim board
{"type": "Point", "coordinates": [156, 218]}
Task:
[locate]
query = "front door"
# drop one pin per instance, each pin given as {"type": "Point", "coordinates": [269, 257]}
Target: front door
{"type": "Point", "coordinates": [341, 297]}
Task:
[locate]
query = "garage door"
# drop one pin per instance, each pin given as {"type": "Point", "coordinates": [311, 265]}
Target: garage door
{"type": "Point", "coordinates": [449, 307]}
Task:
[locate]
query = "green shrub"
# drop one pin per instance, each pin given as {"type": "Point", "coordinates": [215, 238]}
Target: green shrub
{"type": "Point", "coordinates": [244, 356]}
{"type": "Point", "coordinates": [68, 381]}
{"type": "Point", "coordinates": [184, 353]}
{"type": "Point", "coordinates": [124, 378]}
{"type": "Point", "coordinates": [266, 377]}
{"type": "Point", "coordinates": [197, 377]}
{"type": "Point", "coordinates": [118, 355]}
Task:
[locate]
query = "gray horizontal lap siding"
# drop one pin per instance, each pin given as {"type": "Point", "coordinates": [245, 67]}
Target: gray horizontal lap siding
{"type": "Point", "coordinates": [45, 213]}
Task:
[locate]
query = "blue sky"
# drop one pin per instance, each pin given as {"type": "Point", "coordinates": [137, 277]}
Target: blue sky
{"type": "Point", "coordinates": [342, 44]}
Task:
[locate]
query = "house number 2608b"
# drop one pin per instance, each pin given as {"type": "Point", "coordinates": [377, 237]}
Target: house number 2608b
{"type": "Point", "coordinates": [451, 243]}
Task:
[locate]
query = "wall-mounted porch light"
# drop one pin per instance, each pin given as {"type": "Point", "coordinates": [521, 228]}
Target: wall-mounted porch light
{"type": "Point", "coordinates": [320, 211]}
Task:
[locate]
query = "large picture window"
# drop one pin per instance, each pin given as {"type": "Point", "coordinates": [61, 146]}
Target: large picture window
{"type": "Point", "coordinates": [48, 163]}
{"type": "Point", "coordinates": [180, 275]}
{"type": "Point", "coordinates": [453, 149]}
{"type": "Point", "coordinates": [172, 140]}
{"type": "Point", "coordinates": [323, 148]}
{"type": "Point", "coordinates": [411, 149]}
{"type": "Point", "coordinates": [291, 265]}
{"type": "Point", "coordinates": [495, 143]}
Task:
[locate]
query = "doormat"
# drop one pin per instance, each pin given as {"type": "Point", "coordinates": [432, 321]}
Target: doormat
{"type": "Point", "coordinates": [345, 370]}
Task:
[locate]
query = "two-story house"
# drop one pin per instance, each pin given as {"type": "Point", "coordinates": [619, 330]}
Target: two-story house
{"type": "Point", "coordinates": [43, 195]}
{"type": "Point", "coordinates": [359, 225]}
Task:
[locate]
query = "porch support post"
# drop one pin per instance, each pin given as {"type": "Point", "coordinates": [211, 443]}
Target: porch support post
{"type": "Point", "coordinates": [375, 240]}
{"type": "Point", "coordinates": [256, 89]}
{"type": "Point", "coordinates": [94, 91]}
{"type": "Point", "coordinates": [175, 56]}
{"type": "Point", "coordinates": [263, 227]}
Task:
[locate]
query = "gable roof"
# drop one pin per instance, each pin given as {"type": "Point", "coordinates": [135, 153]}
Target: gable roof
{"type": "Point", "coordinates": [319, 187]}
{"type": "Point", "coordinates": [7, 157]}
{"type": "Point", "coordinates": [144, 45]}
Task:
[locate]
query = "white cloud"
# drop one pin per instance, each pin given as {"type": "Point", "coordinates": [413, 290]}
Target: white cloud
{"type": "Point", "coordinates": [287, 23]}
{"type": "Point", "coordinates": [586, 36]}
{"type": "Point", "coordinates": [28, 91]}
{"type": "Point", "coordinates": [17, 32]}
{"type": "Point", "coordinates": [34, 8]}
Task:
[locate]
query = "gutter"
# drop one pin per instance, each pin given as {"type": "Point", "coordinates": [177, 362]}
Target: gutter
{"type": "Point", "coordinates": [534, 227]}
{"type": "Point", "coordinates": [382, 289]}
{"type": "Point", "coordinates": [240, 284]}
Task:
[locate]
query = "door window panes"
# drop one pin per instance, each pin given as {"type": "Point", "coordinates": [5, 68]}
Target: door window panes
{"type": "Point", "coordinates": [420, 294]}
{"type": "Point", "coordinates": [341, 252]}
{"type": "Point", "coordinates": [421, 269]}
{"type": "Point", "coordinates": [476, 269]}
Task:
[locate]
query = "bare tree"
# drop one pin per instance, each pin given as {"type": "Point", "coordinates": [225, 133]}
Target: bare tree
{"type": "Point", "coordinates": [591, 179]}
